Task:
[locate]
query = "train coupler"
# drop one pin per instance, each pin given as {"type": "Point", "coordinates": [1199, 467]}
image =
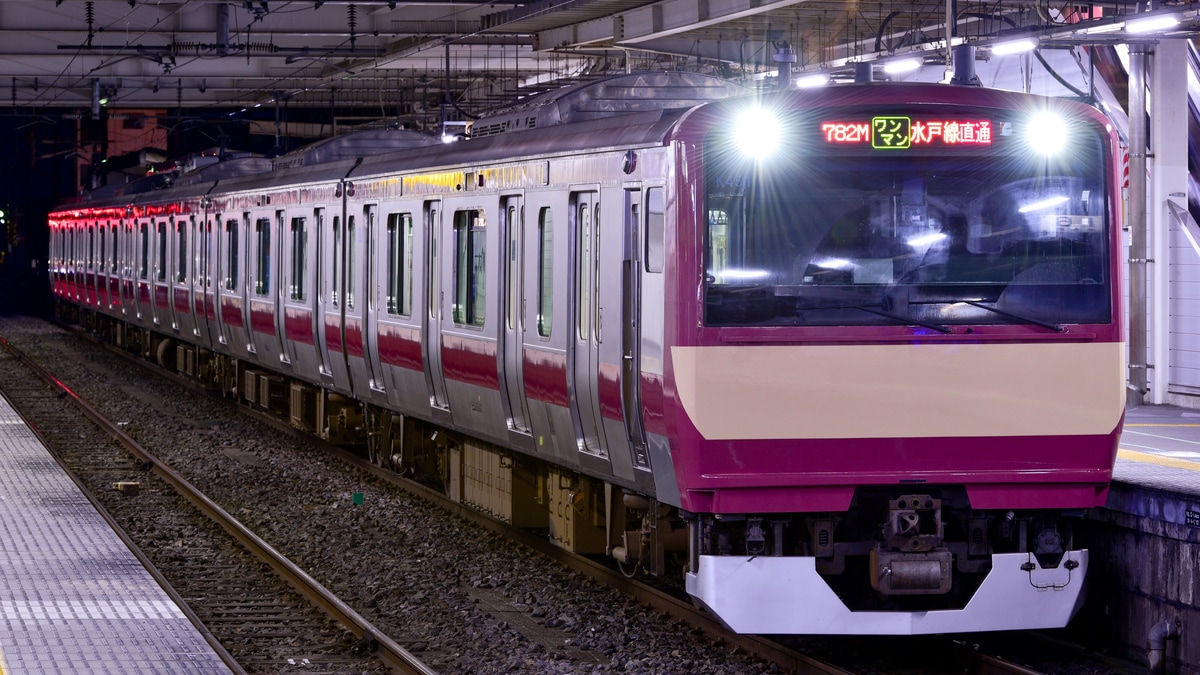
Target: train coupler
{"type": "Point", "coordinates": [904, 573]}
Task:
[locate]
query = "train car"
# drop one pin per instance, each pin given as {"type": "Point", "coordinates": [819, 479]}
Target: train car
{"type": "Point", "coordinates": [849, 360]}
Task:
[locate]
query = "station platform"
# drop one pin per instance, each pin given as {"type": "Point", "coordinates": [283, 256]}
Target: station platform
{"type": "Point", "coordinates": [1145, 543]}
{"type": "Point", "coordinates": [73, 597]}
{"type": "Point", "coordinates": [1160, 448]}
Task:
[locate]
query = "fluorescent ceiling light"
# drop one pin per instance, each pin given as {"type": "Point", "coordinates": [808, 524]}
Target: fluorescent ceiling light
{"type": "Point", "coordinates": [1152, 24]}
{"type": "Point", "coordinates": [1106, 28]}
{"type": "Point", "coordinates": [1014, 47]}
{"type": "Point", "coordinates": [814, 80]}
{"type": "Point", "coordinates": [903, 66]}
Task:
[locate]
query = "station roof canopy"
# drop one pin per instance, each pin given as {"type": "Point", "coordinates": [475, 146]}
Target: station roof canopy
{"type": "Point", "coordinates": [485, 55]}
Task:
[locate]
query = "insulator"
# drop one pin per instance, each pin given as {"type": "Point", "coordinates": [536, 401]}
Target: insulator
{"type": "Point", "coordinates": [90, 13]}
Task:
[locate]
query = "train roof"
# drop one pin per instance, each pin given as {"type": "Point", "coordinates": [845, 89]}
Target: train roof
{"type": "Point", "coordinates": [355, 145]}
{"type": "Point", "coordinates": [632, 93]}
{"type": "Point", "coordinates": [626, 111]}
{"type": "Point", "coordinates": [632, 109]}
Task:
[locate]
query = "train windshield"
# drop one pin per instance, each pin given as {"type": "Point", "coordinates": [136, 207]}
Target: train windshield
{"type": "Point", "coordinates": [849, 230]}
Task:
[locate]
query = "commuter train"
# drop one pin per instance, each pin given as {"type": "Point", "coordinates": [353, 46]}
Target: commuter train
{"type": "Point", "coordinates": [848, 359]}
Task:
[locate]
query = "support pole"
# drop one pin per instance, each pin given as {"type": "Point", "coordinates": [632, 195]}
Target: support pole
{"type": "Point", "coordinates": [1169, 167]}
{"type": "Point", "coordinates": [1137, 223]}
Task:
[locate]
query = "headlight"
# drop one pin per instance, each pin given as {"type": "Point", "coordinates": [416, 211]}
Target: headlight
{"type": "Point", "coordinates": [757, 132]}
{"type": "Point", "coordinates": [1047, 133]}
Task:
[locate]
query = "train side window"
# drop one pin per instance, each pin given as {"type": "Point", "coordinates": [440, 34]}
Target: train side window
{"type": "Point", "coordinates": [545, 317]}
{"type": "Point", "coordinates": [231, 258]}
{"type": "Point", "coordinates": [399, 274]}
{"type": "Point", "coordinates": [129, 252]}
{"type": "Point", "coordinates": [583, 271]}
{"type": "Point", "coordinates": [298, 289]}
{"type": "Point", "coordinates": [406, 289]}
{"type": "Point", "coordinates": [655, 229]}
{"type": "Point", "coordinates": [112, 263]}
{"type": "Point", "coordinates": [318, 226]}
{"type": "Point", "coordinates": [262, 256]}
{"type": "Point", "coordinates": [718, 244]}
{"type": "Point", "coordinates": [351, 232]}
{"type": "Point", "coordinates": [125, 257]}
{"type": "Point", "coordinates": [469, 267]}
{"type": "Point", "coordinates": [181, 237]}
{"type": "Point", "coordinates": [160, 263]}
{"type": "Point", "coordinates": [433, 286]}
{"type": "Point", "coordinates": [144, 250]}
{"type": "Point", "coordinates": [103, 242]}
{"type": "Point", "coordinates": [204, 253]}
{"type": "Point", "coordinates": [337, 258]}
{"type": "Point", "coordinates": [513, 275]}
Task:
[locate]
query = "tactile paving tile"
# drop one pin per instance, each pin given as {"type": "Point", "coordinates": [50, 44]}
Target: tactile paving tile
{"type": "Point", "coordinates": [73, 598]}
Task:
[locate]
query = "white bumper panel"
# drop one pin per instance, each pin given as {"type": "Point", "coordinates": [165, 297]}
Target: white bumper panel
{"type": "Point", "coordinates": [785, 595]}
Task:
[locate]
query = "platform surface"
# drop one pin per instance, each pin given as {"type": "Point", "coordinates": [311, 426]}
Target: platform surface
{"type": "Point", "coordinates": [1160, 449]}
{"type": "Point", "coordinates": [73, 598]}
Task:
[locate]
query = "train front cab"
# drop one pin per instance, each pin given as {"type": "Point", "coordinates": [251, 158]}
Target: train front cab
{"type": "Point", "coordinates": [906, 379]}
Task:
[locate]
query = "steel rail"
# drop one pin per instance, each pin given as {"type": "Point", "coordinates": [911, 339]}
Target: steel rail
{"type": "Point", "coordinates": [788, 659]}
{"type": "Point", "coordinates": [389, 651]}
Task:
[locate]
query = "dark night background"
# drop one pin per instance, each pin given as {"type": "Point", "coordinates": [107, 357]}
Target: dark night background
{"type": "Point", "coordinates": [51, 156]}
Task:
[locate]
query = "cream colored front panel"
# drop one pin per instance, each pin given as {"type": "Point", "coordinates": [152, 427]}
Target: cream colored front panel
{"type": "Point", "coordinates": [901, 391]}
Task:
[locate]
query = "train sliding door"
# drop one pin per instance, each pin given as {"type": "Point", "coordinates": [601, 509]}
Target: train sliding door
{"type": "Point", "coordinates": [205, 305]}
{"type": "Point", "coordinates": [144, 297]}
{"type": "Point", "coordinates": [332, 282]}
{"type": "Point", "coordinates": [298, 321]}
{"type": "Point", "coordinates": [636, 462]}
{"type": "Point", "coordinates": [322, 290]}
{"type": "Point", "coordinates": [183, 320]}
{"type": "Point", "coordinates": [356, 299]}
{"type": "Point", "coordinates": [431, 344]}
{"type": "Point", "coordinates": [583, 354]}
{"type": "Point", "coordinates": [262, 259]}
{"type": "Point", "coordinates": [160, 282]}
{"type": "Point", "coordinates": [400, 319]}
{"type": "Point", "coordinates": [232, 313]}
{"type": "Point", "coordinates": [512, 330]}
{"type": "Point", "coordinates": [114, 267]}
{"type": "Point", "coordinates": [128, 265]}
{"type": "Point", "coordinates": [372, 302]}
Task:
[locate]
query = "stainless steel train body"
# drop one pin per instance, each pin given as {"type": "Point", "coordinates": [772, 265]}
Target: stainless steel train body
{"type": "Point", "coordinates": [670, 334]}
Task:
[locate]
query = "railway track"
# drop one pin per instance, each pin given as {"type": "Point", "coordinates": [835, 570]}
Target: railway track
{"type": "Point", "coordinates": [267, 614]}
{"type": "Point", "coordinates": [555, 641]}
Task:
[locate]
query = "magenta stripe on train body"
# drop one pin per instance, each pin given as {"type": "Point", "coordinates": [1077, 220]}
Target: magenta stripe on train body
{"type": "Point", "coordinates": [298, 324]}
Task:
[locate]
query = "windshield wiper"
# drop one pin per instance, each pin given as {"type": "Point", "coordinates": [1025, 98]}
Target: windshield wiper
{"type": "Point", "coordinates": [1057, 328]}
{"type": "Point", "coordinates": [881, 311]}
{"type": "Point", "coordinates": [901, 318]}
